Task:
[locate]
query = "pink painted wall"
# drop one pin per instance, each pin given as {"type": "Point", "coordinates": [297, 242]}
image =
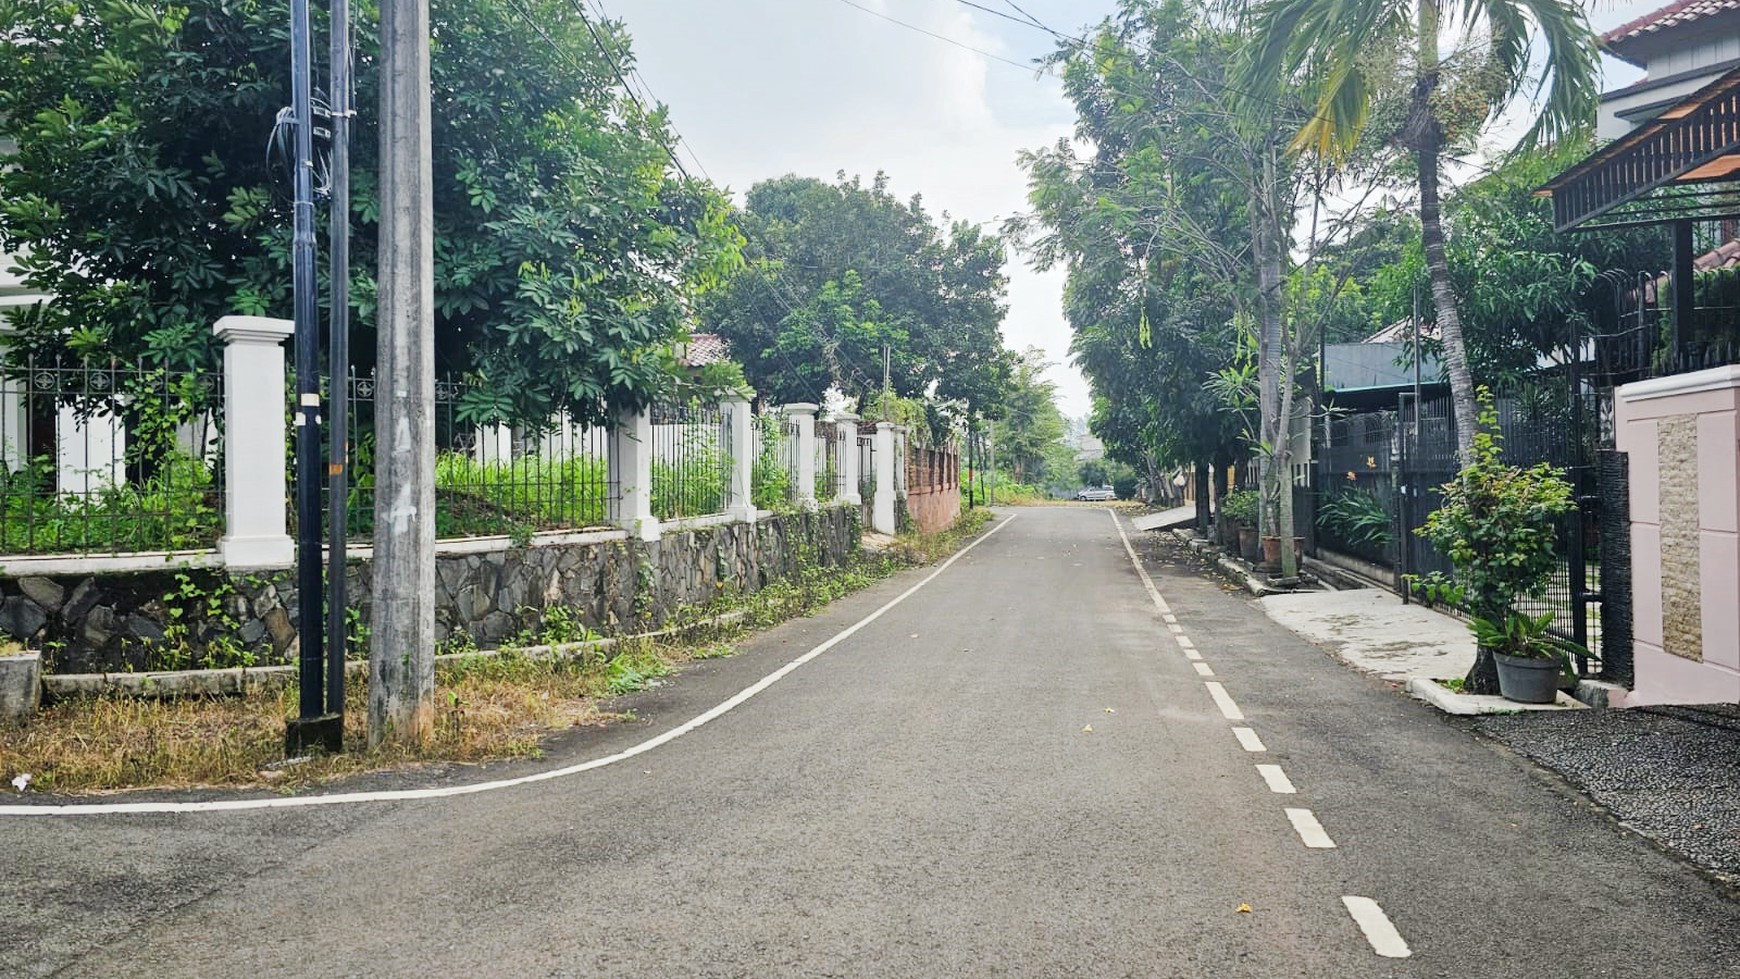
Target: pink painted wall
{"type": "Point", "coordinates": [1682, 436]}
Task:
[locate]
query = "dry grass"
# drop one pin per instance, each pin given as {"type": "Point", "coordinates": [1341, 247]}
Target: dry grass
{"type": "Point", "coordinates": [490, 708]}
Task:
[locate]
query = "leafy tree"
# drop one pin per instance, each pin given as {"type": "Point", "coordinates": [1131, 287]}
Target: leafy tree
{"type": "Point", "coordinates": [1029, 440]}
{"type": "Point", "coordinates": [1191, 201]}
{"type": "Point", "coordinates": [1345, 51]}
{"type": "Point", "coordinates": [838, 271]}
{"type": "Point", "coordinates": [1151, 308]}
{"type": "Point", "coordinates": [1093, 472]}
{"type": "Point", "coordinates": [138, 194]}
{"type": "Point", "coordinates": [1525, 290]}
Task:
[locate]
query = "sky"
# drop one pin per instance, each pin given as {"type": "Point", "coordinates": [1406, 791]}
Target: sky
{"type": "Point", "coordinates": [763, 88]}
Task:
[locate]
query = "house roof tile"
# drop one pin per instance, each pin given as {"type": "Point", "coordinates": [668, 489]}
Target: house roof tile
{"type": "Point", "coordinates": [1673, 15]}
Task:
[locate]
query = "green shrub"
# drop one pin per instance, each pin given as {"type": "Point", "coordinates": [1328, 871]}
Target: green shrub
{"type": "Point", "coordinates": [1355, 518]}
{"type": "Point", "coordinates": [1241, 505]}
{"type": "Point", "coordinates": [1498, 524]}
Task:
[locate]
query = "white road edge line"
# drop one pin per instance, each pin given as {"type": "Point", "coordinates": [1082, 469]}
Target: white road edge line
{"type": "Point", "coordinates": [1309, 829]}
{"type": "Point", "coordinates": [1147, 582]}
{"type": "Point", "coordinates": [1278, 781]}
{"type": "Point", "coordinates": [1384, 938]}
{"type": "Point", "coordinates": [1248, 739]}
{"type": "Point", "coordinates": [1202, 669]}
{"type": "Point", "coordinates": [1228, 709]}
{"type": "Point", "coordinates": [403, 795]}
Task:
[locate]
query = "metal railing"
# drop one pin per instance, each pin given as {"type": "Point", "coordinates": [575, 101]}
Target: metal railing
{"type": "Point", "coordinates": [1355, 505]}
{"type": "Point", "coordinates": [830, 469]}
{"type": "Point", "coordinates": [491, 479]}
{"type": "Point", "coordinates": [690, 468]}
{"type": "Point", "coordinates": [789, 439]}
{"type": "Point", "coordinates": [109, 457]}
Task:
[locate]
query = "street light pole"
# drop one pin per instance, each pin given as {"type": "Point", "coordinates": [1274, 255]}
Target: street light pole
{"type": "Point", "coordinates": [338, 363]}
{"type": "Point", "coordinates": [313, 727]}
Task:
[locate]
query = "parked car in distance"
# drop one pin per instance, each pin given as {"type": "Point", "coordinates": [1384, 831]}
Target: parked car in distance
{"type": "Point", "coordinates": [1097, 494]}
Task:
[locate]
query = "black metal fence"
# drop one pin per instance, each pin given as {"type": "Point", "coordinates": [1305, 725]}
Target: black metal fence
{"type": "Point", "coordinates": [1637, 338]}
{"type": "Point", "coordinates": [788, 434]}
{"type": "Point", "coordinates": [690, 466]}
{"type": "Point", "coordinates": [109, 457]}
{"type": "Point", "coordinates": [830, 467]}
{"type": "Point", "coordinates": [490, 479]}
{"type": "Point", "coordinates": [1354, 504]}
{"type": "Point", "coordinates": [1539, 421]}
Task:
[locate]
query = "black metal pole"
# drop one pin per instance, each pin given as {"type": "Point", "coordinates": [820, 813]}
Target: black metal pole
{"type": "Point", "coordinates": [1682, 286]}
{"type": "Point", "coordinates": [310, 728]}
{"type": "Point", "coordinates": [338, 365]}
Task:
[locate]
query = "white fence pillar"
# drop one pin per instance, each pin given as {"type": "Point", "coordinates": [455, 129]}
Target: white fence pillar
{"type": "Point", "coordinates": [803, 416]}
{"type": "Point", "coordinates": [847, 458]}
{"type": "Point", "coordinates": [740, 460]}
{"type": "Point", "coordinates": [882, 516]}
{"type": "Point", "coordinates": [256, 515]}
{"type": "Point", "coordinates": [631, 448]}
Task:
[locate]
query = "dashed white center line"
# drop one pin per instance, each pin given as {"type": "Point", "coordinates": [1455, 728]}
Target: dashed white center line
{"type": "Point", "coordinates": [1228, 709]}
{"type": "Point", "coordinates": [1278, 781]}
{"type": "Point", "coordinates": [1175, 627]}
{"type": "Point", "coordinates": [1202, 669]}
{"type": "Point", "coordinates": [1184, 642]}
{"type": "Point", "coordinates": [1192, 654]}
{"type": "Point", "coordinates": [1384, 938]}
{"type": "Point", "coordinates": [1248, 738]}
{"type": "Point", "coordinates": [1309, 829]}
{"type": "Point", "coordinates": [1169, 619]}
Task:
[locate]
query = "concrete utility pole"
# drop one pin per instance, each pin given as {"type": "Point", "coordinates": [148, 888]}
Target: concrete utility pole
{"type": "Point", "coordinates": [402, 652]}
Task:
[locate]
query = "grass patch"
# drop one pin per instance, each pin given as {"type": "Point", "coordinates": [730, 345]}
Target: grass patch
{"type": "Point", "coordinates": [1454, 684]}
{"type": "Point", "coordinates": [486, 708]}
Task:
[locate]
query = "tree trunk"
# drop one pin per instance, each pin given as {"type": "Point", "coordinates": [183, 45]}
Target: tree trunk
{"type": "Point", "coordinates": [1203, 517]}
{"type": "Point", "coordinates": [1427, 137]}
{"type": "Point", "coordinates": [402, 648]}
{"type": "Point", "coordinates": [1482, 677]}
{"type": "Point", "coordinates": [1268, 237]}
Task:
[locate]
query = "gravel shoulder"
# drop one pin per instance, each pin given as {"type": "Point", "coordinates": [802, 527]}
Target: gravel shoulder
{"type": "Point", "coordinates": [1670, 773]}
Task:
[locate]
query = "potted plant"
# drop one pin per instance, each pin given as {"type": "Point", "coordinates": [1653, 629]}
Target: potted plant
{"type": "Point", "coordinates": [1241, 506]}
{"type": "Point", "coordinates": [1532, 662]}
{"type": "Point", "coordinates": [1498, 526]}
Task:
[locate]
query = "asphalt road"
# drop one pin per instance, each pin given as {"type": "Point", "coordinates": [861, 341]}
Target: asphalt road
{"type": "Point", "coordinates": [922, 799]}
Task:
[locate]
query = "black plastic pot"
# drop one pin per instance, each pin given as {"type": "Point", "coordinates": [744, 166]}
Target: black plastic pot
{"type": "Point", "coordinates": [1527, 681]}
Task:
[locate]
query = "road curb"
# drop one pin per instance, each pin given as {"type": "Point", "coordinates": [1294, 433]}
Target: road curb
{"type": "Point", "coordinates": [1228, 568]}
{"type": "Point", "coordinates": [1469, 705]}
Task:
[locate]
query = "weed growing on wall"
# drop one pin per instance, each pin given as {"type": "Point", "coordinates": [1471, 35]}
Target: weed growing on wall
{"type": "Point", "coordinates": [199, 629]}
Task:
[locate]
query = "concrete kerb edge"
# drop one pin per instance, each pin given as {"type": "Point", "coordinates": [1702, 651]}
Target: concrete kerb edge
{"type": "Point", "coordinates": [1469, 705]}
{"type": "Point", "coordinates": [1227, 566]}
{"type": "Point", "coordinates": [168, 685]}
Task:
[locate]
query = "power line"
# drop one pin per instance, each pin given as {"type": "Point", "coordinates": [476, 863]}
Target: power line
{"type": "Point", "coordinates": [1034, 20]}
{"type": "Point", "coordinates": [646, 88]}
{"type": "Point", "coordinates": [1035, 68]}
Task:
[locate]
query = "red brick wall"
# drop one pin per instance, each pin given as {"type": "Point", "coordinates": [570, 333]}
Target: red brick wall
{"type": "Point", "coordinates": [933, 487]}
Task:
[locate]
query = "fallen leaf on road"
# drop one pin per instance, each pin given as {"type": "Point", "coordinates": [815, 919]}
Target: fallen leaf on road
{"type": "Point", "coordinates": [1110, 711]}
{"type": "Point", "coordinates": [1244, 909]}
{"type": "Point", "coordinates": [1089, 729]}
{"type": "Point", "coordinates": [915, 635]}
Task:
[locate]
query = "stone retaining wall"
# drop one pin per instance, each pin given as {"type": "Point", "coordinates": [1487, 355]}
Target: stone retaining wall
{"type": "Point", "coordinates": [177, 618]}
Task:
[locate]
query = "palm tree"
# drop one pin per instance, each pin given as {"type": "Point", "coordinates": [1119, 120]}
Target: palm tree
{"type": "Point", "coordinates": [1333, 47]}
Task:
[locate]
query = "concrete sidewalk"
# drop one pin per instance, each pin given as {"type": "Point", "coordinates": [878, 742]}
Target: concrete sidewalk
{"type": "Point", "coordinates": [1372, 630]}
